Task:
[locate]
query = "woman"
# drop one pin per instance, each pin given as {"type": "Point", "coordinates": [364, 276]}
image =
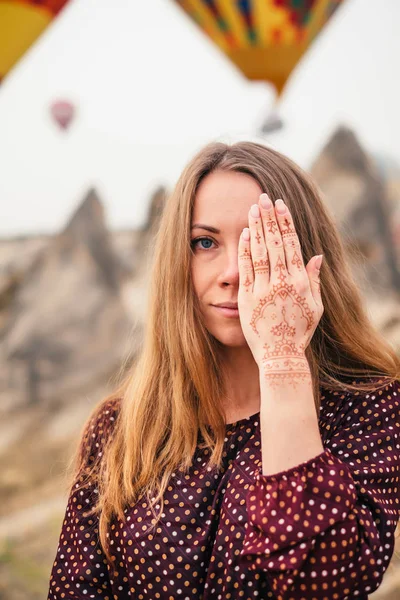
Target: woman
{"type": "Point", "coordinates": [252, 452]}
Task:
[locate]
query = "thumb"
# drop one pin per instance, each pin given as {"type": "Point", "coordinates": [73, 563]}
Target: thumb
{"type": "Point", "coordinates": [313, 270]}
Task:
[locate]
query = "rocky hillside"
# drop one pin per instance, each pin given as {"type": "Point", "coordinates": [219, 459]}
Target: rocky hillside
{"type": "Point", "coordinates": [363, 194]}
{"type": "Point", "coordinates": [72, 309]}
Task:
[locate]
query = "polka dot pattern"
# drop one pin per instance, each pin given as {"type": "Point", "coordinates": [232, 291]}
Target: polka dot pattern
{"type": "Point", "coordinates": [322, 530]}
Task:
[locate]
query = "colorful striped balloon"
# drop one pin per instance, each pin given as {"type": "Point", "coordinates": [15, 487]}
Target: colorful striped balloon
{"type": "Point", "coordinates": [265, 39]}
{"type": "Point", "coordinates": [21, 23]}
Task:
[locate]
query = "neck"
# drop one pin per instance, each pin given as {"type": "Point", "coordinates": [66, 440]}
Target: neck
{"type": "Point", "coordinates": [242, 383]}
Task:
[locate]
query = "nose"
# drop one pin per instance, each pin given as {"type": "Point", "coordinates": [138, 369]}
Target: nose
{"type": "Point", "coordinates": [229, 272]}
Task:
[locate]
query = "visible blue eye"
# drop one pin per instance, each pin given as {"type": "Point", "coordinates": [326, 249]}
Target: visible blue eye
{"type": "Point", "coordinates": [194, 243]}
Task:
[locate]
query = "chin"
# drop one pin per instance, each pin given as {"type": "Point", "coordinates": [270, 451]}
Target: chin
{"type": "Point", "coordinates": [231, 336]}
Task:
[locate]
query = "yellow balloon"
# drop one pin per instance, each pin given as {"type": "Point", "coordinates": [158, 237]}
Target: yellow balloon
{"type": "Point", "coordinates": [265, 39]}
{"type": "Point", "coordinates": [21, 23]}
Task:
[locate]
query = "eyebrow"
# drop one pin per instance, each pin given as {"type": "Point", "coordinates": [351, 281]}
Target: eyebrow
{"type": "Point", "coordinates": [206, 227]}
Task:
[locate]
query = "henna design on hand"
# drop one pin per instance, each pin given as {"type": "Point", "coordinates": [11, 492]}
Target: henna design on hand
{"type": "Point", "coordinates": [289, 317]}
{"type": "Point", "coordinates": [296, 261]}
{"type": "Point", "coordinates": [289, 236]}
{"type": "Point", "coordinates": [246, 257]}
{"type": "Point", "coordinates": [247, 283]}
{"type": "Point", "coordinates": [287, 371]}
{"type": "Point", "coordinates": [261, 266]}
{"type": "Point", "coordinates": [283, 291]}
{"type": "Point", "coordinates": [281, 267]}
{"type": "Point", "coordinates": [272, 226]}
{"type": "Point", "coordinates": [285, 360]}
{"type": "Point", "coordinates": [287, 228]}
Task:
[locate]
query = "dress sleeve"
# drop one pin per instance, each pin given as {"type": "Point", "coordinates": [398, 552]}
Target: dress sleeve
{"type": "Point", "coordinates": [80, 569]}
{"type": "Point", "coordinates": [325, 528]}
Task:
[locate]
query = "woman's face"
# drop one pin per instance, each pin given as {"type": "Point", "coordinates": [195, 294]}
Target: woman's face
{"type": "Point", "coordinates": [222, 203]}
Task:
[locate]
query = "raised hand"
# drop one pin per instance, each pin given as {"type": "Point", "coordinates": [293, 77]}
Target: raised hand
{"type": "Point", "coordinates": [279, 298]}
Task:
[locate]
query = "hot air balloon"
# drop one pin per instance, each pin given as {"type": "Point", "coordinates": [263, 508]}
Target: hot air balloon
{"type": "Point", "coordinates": [265, 39]}
{"type": "Point", "coordinates": [21, 23]}
{"type": "Point", "coordinates": [62, 112]}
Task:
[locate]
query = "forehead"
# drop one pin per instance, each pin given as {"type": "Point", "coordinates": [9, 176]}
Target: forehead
{"type": "Point", "coordinates": [225, 191]}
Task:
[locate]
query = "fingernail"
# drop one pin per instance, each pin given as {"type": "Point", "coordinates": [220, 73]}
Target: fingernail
{"type": "Point", "coordinates": [246, 234]}
{"type": "Point", "coordinates": [265, 201]}
{"type": "Point", "coordinates": [318, 261]}
{"type": "Point", "coordinates": [280, 206]}
{"type": "Point", "coordinates": [255, 211]}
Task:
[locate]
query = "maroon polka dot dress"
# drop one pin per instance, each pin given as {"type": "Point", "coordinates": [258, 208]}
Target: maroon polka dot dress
{"type": "Point", "coordinates": [323, 529]}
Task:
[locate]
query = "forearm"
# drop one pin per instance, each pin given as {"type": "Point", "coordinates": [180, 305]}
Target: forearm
{"type": "Point", "coordinates": [289, 423]}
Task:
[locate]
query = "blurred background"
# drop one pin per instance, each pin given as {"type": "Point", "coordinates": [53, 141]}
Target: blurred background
{"type": "Point", "coordinates": [102, 103]}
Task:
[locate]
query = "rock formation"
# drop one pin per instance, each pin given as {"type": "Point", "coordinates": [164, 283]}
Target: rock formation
{"type": "Point", "coordinates": [359, 192]}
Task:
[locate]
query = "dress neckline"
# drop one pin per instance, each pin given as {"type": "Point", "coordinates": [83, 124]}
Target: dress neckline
{"type": "Point", "coordinates": [244, 421]}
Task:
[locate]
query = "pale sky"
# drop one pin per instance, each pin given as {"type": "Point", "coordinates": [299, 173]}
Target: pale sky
{"type": "Point", "coordinates": [151, 89]}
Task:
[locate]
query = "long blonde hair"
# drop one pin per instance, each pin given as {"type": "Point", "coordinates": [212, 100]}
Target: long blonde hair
{"type": "Point", "coordinates": [171, 393]}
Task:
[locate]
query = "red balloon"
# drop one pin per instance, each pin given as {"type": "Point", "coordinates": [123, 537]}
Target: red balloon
{"type": "Point", "coordinates": [63, 113]}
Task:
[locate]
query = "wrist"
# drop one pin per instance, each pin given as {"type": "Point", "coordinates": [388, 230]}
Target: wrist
{"type": "Point", "coordinates": [285, 370]}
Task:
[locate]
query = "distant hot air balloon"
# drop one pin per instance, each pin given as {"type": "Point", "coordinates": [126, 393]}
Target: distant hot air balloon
{"type": "Point", "coordinates": [21, 23]}
{"type": "Point", "coordinates": [265, 39]}
{"type": "Point", "coordinates": [63, 113]}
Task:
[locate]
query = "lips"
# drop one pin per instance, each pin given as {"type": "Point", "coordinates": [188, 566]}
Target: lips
{"type": "Point", "coordinates": [227, 309]}
{"type": "Point", "coordinates": [232, 305]}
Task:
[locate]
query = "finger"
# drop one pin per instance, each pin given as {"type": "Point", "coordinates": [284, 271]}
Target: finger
{"type": "Point", "coordinates": [273, 240]}
{"type": "Point", "coordinates": [257, 244]}
{"type": "Point", "coordinates": [314, 274]}
{"type": "Point", "coordinates": [246, 274]}
{"type": "Point", "coordinates": [291, 242]}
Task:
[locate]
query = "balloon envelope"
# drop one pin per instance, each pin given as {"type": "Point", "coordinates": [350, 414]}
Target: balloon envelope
{"type": "Point", "coordinates": [21, 23]}
{"type": "Point", "coordinates": [265, 39]}
{"type": "Point", "coordinates": [63, 113]}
